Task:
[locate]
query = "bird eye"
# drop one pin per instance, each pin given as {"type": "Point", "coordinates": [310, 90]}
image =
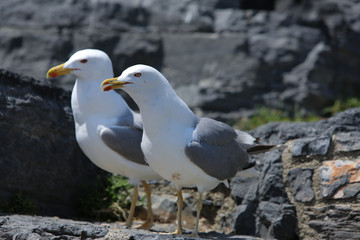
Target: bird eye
{"type": "Point", "coordinates": [137, 75]}
{"type": "Point", "coordinates": [84, 61]}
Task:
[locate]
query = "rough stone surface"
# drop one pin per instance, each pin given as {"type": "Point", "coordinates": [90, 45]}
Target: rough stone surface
{"type": "Point", "coordinates": [265, 203]}
{"type": "Point", "coordinates": [301, 184]}
{"type": "Point", "coordinates": [311, 146]}
{"type": "Point", "coordinates": [347, 142]}
{"type": "Point", "coordinates": [330, 180]}
{"type": "Point", "coordinates": [287, 181]}
{"type": "Point", "coordinates": [239, 54]}
{"type": "Point", "coordinates": [39, 154]}
{"type": "Point", "coordinates": [33, 227]}
{"type": "Point", "coordinates": [29, 227]}
{"type": "Point", "coordinates": [241, 184]}
{"type": "Point", "coordinates": [340, 179]}
{"type": "Point", "coordinates": [335, 221]}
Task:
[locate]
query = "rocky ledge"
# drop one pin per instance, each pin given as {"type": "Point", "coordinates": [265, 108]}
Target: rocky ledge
{"type": "Point", "coordinates": [22, 227]}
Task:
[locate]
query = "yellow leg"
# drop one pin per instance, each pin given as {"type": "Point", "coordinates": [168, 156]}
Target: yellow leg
{"type": "Point", "coordinates": [150, 219]}
{"type": "Point", "coordinates": [198, 211]}
{"type": "Point", "coordinates": [133, 205]}
{"type": "Point", "coordinates": [180, 201]}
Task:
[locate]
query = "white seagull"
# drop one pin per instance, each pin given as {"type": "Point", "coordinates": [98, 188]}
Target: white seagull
{"type": "Point", "coordinates": [182, 148]}
{"type": "Point", "coordinates": [107, 130]}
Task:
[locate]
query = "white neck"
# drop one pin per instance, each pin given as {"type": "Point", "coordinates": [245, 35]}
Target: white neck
{"type": "Point", "coordinates": [88, 100]}
{"type": "Point", "coordinates": [160, 110]}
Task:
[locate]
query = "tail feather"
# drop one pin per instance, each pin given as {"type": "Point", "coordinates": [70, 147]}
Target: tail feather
{"type": "Point", "coordinates": [256, 149]}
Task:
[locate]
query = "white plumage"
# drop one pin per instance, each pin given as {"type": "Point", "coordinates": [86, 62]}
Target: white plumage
{"type": "Point", "coordinates": [94, 115]}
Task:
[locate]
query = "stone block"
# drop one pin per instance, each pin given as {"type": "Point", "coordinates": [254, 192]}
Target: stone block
{"type": "Point", "coordinates": [311, 146]}
{"type": "Point", "coordinates": [300, 180]}
{"type": "Point", "coordinates": [335, 221]}
{"type": "Point", "coordinates": [340, 179]}
{"type": "Point", "coordinates": [347, 142]}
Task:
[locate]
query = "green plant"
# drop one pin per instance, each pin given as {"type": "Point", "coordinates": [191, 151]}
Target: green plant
{"type": "Point", "coordinates": [19, 204]}
{"type": "Point", "coordinates": [341, 105]}
{"type": "Point", "coordinates": [263, 115]}
{"type": "Point", "coordinates": [109, 200]}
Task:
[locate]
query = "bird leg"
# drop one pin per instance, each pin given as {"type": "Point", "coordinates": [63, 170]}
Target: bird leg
{"type": "Point", "coordinates": [149, 221]}
{"type": "Point", "coordinates": [180, 201]}
{"type": "Point", "coordinates": [132, 207]}
{"type": "Point", "coordinates": [198, 211]}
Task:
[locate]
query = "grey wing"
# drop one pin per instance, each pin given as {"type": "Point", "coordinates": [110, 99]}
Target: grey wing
{"type": "Point", "coordinates": [249, 143]}
{"type": "Point", "coordinates": [125, 141]}
{"type": "Point", "coordinates": [215, 150]}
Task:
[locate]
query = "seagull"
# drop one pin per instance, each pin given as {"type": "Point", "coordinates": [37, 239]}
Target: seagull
{"type": "Point", "coordinates": [181, 147]}
{"type": "Point", "coordinates": [109, 135]}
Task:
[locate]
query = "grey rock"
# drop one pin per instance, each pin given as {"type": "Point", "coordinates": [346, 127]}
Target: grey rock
{"type": "Point", "coordinates": [40, 156]}
{"type": "Point", "coordinates": [311, 146]}
{"type": "Point", "coordinates": [338, 179]}
{"type": "Point", "coordinates": [310, 83]}
{"type": "Point", "coordinates": [347, 142]}
{"type": "Point", "coordinates": [301, 184]}
{"type": "Point", "coordinates": [334, 221]}
{"type": "Point", "coordinates": [283, 227]}
{"type": "Point", "coordinates": [241, 184]}
{"type": "Point", "coordinates": [271, 187]}
{"type": "Point", "coordinates": [351, 190]}
{"type": "Point", "coordinates": [276, 221]}
{"type": "Point", "coordinates": [29, 227]}
{"type": "Point", "coordinates": [243, 219]}
{"type": "Point", "coordinates": [269, 192]}
{"type": "Point", "coordinates": [329, 190]}
{"type": "Point", "coordinates": [277, 133]}
{"type": "Point", "coordinates": [247, 57]}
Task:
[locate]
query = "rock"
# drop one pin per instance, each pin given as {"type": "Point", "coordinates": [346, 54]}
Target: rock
{"type": "Point", "coordinates": [283, 227]}
{"type": "Point", "coordinates": [40, 156]}
{"type": "Point", "coordinates": [311, 146]}
{"type": "Point", "coordinates": [298, 172]}
{"type": "Point", "coordinates": [241, 184]}
{"type": "Point", "coordinates": [271, 187]}
{"type": "Point", "coordinates": [34, 227]}
{"type": "Point", "coordinates": [301, 184]}
{"type": "Point", "coordinates": [325, 187]}
{"type": "Point", "coordinates": [347, 142]}
{"type": "Point", "coordinates": [237, 55]}
{"type": "Point", "coordinates": [165, 209]}
{"type": "Point", "coordinates": [333, 221]}
{"type": "Point", "coordinates": [265, 203]}
{"type": "Point", "coordinates": [309, 85]}
{"type": "Point", "coordinates": [29, 227]}
{"type": "Point", "coordinates": [243, 219]}
{"type": "Point", "coordinates": [339, 179]}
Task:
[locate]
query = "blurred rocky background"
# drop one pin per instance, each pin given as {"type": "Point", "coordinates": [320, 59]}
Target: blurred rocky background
{"type": "Point", "coordinates": [225, 58]}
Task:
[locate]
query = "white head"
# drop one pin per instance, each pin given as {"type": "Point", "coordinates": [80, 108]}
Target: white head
{"type": "Point", "coordinates": [87, 64]}
{"type": "Point", "coordinates": [138, 80]}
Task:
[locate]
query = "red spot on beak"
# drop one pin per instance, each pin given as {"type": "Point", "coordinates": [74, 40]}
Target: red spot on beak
{"type": "Point", "coordinates": [53, 75]}
{"type": "Point", "coordinates": [107, 88]}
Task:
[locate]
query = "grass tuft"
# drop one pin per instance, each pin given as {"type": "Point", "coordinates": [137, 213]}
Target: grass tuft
{"type": "Point", "coordinates": [264, 115]}
{"type": "Point", "coordinates": [108, 201]}
{"type": "Point", "coordinates": [19, 204]}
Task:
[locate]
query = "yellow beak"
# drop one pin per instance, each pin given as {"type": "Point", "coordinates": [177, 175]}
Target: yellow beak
{"type": "Point", "coordinates": [58, 71]}
{"type": "Point", "coordinates": [112, 83]}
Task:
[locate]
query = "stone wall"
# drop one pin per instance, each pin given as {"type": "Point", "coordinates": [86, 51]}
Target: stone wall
{"type": "Point", "coordinates": [322, 177]}
{"type": "Point", "coordinates": [311, 190]}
